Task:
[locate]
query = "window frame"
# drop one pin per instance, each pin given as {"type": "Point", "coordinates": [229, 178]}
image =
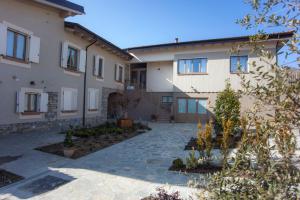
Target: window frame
{"type": "Point", "coordinates": [168, 99]}
{"type": "Point", "coordinates": [76, 67]}
{"type": "Point", "coordinates": [117, 73]}
{"type": "Point", "coordinates": [187, 105]}
{"type": "Point", "coordinates": [28, 96]}
{"type": "Point", "coordinates": [238, 71]}
{"type": "Point", "coordinates": [192, 60]}
{"type": "Point", "coordinates": [100, 75]}
{"type": "Point", "coordinates": [14, 57]}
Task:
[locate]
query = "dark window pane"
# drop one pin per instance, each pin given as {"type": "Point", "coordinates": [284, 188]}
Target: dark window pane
{"type": "Point", "coordinates": [181, 105]}
{"type": "Point", "coordinates": [196, 64]}
{"type": "Point", "coordinates": [202, 106]}
{"type": "Point", "coordinates": [10, 43]}
{"type": "Point", "coordinates": [120, 73]}
{"type": "Point", "coordinates": [233, 63]}
{"type": "Point", "coordinates": [100, 73]}
{"type": "Point", "coordinates": [181, 66]}
{"type": "Point", "coordinates": [192, 106]}
{"type": "Point", "coordinates": [243, 63]}
{"type": "Point", "coordinates": [203, 65]}
{"type": "Point", "coordinates": [20, 51]}
{"type": "Point", "coordinates": [72, 58]}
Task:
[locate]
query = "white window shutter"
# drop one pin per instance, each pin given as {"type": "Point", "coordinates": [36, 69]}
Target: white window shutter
{"type": "Point", "coordinates": [82, 60]}
{"type": "Point", "coordinates": [3, 38]}
{"type": "Point", "coordinates": [74, 100]}
{"type": "Point", "coordinates": [66, 99]}
{"type": "Point", "coordinates": [34, 49]}
{"type": "Point", "coordinates": [64, 54]}
{"type": "Point", "coordinates": [89, 98]}
{"type": "Point", "coordinates": [44, 102]}
{"type": "Point", "coordinates": [97, 98]}
{"type": "Point", "coordinates": [20, 101]}
{"type": "Point", "coordinates": [96, 67]}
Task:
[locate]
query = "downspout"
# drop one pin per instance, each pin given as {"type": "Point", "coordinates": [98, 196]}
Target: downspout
{"type": "Point", "coordinates": [84, 81]}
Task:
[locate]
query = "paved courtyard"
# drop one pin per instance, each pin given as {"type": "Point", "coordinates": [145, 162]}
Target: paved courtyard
{"type": "Point", "coordinates": [129, 170]}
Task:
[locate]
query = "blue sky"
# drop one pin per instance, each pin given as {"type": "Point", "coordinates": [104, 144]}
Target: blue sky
{"type": "Point", "coordinates": [129, 23]}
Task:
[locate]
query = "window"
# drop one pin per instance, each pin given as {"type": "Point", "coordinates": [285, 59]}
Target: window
{"type": "Point", "coordinates": [16, 45]}
{"type": "Point", "coordinates": [167, 99]}
{"type": "Point", "coordinates": [69, 100]}
{"type": "Point", "coordinates": [98, 66]}
{"type": "Point", "coordinates": [192, 105]}
{"type": "Point", "coordinates": [182, 105]}
{"type": "Point", "coordinates": [31, 102]}
{"type": "Point", "coordinates": [119, 72]}
{"type": "Point", "coordinates": [238, 64]}
{"type": "Point", "coordinates": [191, 66]}
{"type": "Point", "coordinates": [93, 99]}
{"type": "Point", "coordinates": [72, 62]}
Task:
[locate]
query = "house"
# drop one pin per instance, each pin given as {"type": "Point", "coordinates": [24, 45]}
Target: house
{"type": "Point", "coordinates": [181, 80]}
{"type": "Point", "coordinates": [56, 73]}
{"type": "Point", "coordinates": [48, 66]}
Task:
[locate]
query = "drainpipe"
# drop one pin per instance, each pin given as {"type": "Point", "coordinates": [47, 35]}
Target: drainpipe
{"type": "Point", "coordinates": [84, 81]}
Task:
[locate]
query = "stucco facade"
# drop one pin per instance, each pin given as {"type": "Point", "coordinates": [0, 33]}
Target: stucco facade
{"type": "Point", "coordinates": [47, 75]}
{"type": "Point", "coordinates": [163, 76]}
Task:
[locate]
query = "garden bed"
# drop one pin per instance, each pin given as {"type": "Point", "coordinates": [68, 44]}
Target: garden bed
{"type": "Point", "coordinates": [192, 144]}
{"type": "Point", "coordinates": [94, 139]}
{"type": "Point", "coordinates": [200, 169]}
{"type": "Point", "coordinates": [7, 178]}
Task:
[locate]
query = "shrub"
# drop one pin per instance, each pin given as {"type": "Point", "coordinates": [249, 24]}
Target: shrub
{"type": "Point", "coordinates": [200, 140]}
{"type": "Point", "coordinates": [227, 107]}
{"type": "Point", "coordinates": [208, 138]}
{"type": "Point", "coordinates": [68, 142]}
{"type": "Point", "coordinates": [163, 195]}
{"type": "Point", "coordinates": [227, 126]}
{"type": "Point", "coordinates": [191, 161]}
{"type": "Point", "coordinates": [178, 163]}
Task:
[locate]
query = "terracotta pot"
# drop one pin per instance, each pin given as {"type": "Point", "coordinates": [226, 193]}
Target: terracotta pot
{"type": "Point", "coordinates": [125, 123]}
{"type": "Point", "coordinates": [69, 152]}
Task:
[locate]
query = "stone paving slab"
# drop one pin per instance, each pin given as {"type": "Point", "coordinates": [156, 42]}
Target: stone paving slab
{"type": "Point", "coordinates": [131, 170]}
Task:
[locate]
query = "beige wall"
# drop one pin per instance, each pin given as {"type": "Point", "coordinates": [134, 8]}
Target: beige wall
{"type": "Point", "coordinates": [47, 24]}
{"type": "Point", "coordinates": [218, 68]}
{"type": "Point", "coordinates": [160, 77]}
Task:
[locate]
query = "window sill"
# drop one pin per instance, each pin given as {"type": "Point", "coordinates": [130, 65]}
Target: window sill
{"type": "Point", "coordinates": [239, 73]}
{"type": "Point", "coordinates": [92, 110]}
{"type": "Point", "coordinates": [31, 113]}
{"type": "Point", "coordinates": [192, 74]}
{"type": "Point", "coordinates": [120, 82]}
{"type": "Point", "coordinates": [69, 111]}
{"type": "Point", "coordinates": [72, 72]}
{"type": "Point", "coordinates": [99, 78]}
{"type": "Point", "coordinates": [15, 62]}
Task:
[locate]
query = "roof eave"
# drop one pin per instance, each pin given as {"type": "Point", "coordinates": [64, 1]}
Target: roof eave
{"type": "Point", "coordinates": [72, 11]}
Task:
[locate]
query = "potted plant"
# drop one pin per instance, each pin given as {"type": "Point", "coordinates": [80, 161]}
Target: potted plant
{"type": "Point", "coordinates": [154, 117]}
{"type": "Point", "coordinates": [172, 119]}
{"type": "Point", "coordinates": [68, 144]}
{"type": "Point", "coordinates": [124, 121]}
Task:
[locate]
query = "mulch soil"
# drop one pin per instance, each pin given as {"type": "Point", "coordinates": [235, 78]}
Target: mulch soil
{"type": "Point", "coordinates": [201, 169]}
{"type": "Point", "coordinates": [192, 144]}
{"type": "Point", "coordinates": [85, 146]}
{"type": "Point", "coordinates": [7, 178]}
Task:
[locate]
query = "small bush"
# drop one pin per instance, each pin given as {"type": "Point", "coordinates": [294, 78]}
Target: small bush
{"type": "Point", "coordinates": [68, 142]}
{"type": "Point", "coordinates": [191, 161]}
{"type": "Point", "coordinates": [163, 195]}
{"type": "Point", "coordinates": [227, 107]}
{"type": "Point", "coordinates": [178, 163]}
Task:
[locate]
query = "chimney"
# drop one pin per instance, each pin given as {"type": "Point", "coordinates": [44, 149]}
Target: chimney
{"type": "Point", "coordinates": [177, 40]}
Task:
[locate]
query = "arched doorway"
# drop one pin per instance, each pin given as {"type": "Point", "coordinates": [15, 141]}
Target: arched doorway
{"type": "Point", "coordinates": [114, 107]}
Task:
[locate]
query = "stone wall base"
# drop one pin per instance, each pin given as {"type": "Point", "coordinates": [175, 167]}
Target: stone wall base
{"type": "Point", "coordinates": [57, 125]}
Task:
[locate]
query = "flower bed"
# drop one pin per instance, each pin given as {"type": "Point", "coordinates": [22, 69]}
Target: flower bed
{"type": "Point", "coordinates": [7, 178]}
{"type": "Point", "coordinates": [192, 144]}
{"type": "Point", "coordinates": [93, 139]}
{"type": "Point", "coordinates": [201, 169]}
